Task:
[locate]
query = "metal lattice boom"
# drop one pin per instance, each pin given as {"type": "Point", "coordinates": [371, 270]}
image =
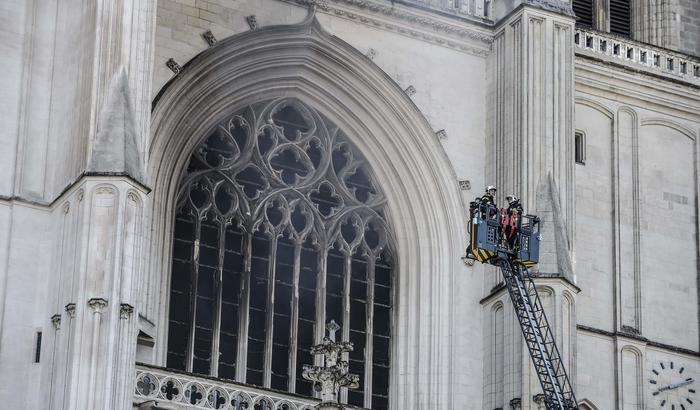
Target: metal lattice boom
{"type": "Point", "coordinates": [558, 394]}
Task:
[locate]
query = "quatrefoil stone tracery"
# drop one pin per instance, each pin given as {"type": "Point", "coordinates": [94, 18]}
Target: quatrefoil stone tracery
{"type": "Point", "coordinates": [283, 160]}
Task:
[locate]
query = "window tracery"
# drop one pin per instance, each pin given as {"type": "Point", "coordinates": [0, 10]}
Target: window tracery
{"type": "Point", "coordinates": [279, 229]}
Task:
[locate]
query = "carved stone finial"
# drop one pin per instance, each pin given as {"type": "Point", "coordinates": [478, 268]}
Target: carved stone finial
{"type": "Point", "coordinates": [56, 321]}
{"type": "Point", "coordinates": [332, 328]}
{"type": "Point", "coordinates": [70, 310]}
{"type": "Point", "coordinates": [97, 305]}
{"type": "Point", "coordinates": [329, 378]}
{"type": "Point", "coordinates": [209, 38]}
{"type": "Point", "coordinates": [252, 21]}
{"type": "Point", "coordinates": [125, 310]}
{"type": "Point", "coordinates": [173, 66]}
{"type": "Point", "coordinates": [410, 90]}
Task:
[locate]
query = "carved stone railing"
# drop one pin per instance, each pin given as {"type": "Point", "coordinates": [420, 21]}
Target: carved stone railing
{"type": "Point", "coordinates": [177, 390]}
{"type": "Point", "coordinates": [637, 56]}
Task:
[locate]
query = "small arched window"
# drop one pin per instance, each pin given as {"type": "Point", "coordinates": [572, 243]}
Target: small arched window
{"type": "Point", "coordinates": [279, 229]}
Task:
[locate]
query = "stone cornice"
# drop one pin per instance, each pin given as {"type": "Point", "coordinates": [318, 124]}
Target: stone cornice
{"type": "Point", "coordinates": [638, 338]}
{"type": "Point", "coordinates": [600, 78]}
{"type": "Point", "coordinates": [448, 32]}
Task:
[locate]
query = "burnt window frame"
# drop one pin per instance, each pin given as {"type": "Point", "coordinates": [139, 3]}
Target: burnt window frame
{"type": "Point", "coordinates": [269, 223]}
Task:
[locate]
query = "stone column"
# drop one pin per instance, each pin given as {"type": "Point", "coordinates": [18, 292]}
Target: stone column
{"type": "Point", "coordinates": [531, 148]}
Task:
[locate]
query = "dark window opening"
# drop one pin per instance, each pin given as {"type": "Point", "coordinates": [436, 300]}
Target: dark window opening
{"type": "Point", "coordinates": [620, 17]}
{"type": "Point", "coordinates": [580, 148]}
{"type": "Point", "coordinates": [583, 9]}
{"type": "Point", "coordinates": [37, 349]}
{"type": "Point", "coordinates": [271, 225]}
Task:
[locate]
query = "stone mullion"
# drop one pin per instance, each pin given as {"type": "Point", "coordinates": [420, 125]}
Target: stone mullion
{"type": "Point", "coordinates": [270, 312]}
{"type": "Point", "coordinates": [369, 346]}
{"type": "Point", "coordinates": [319, 328]}
{"type": "Point", "coordinates": [243, 313]}
{"type": "Point", "coordinates": [194, 273]}
{"type": "Point", "coordinates": [294, 321]}
{"type": "Point", "coordinates": [345, 332]}
{"type": "Point", "coordinates": [218, 281]}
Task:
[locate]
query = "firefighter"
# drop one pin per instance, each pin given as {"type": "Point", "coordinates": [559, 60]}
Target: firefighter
{"type": "Point", "coordinates": [512, 224]}
{"type": "Point", "coordinates": [487, 198]}
{"type": "Point", "coordinates": [514, 206]}
{"type": "Point", "coordinates": [487, 203]}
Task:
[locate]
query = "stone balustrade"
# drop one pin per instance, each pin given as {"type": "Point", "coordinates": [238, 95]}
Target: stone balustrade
{"type": "Point", "coordinates": [177, 390]}
{"type": "Point", "coordinates": [637, 56]}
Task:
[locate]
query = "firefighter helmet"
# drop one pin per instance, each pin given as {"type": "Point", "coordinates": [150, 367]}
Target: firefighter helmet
{"type": "Point", "coordinates": [511, 198]}
{"type": "Point", "coordinates": [491, 188]}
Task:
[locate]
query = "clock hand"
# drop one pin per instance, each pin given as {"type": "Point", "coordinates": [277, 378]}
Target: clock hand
{"type": "Point", "coordinates": [683, 383]}
{"type": "Point", "coordinates": [675, 385]}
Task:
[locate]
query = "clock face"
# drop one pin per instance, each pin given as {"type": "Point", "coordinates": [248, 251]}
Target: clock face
{"type": "Point", "coordinates": [672, 386]}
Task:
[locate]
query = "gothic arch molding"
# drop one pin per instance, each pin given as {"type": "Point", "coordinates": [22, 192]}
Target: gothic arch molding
{"type": "Point", "coordinates": [423, 203]}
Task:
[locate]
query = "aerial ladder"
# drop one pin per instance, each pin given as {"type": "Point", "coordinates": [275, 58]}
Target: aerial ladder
{"type": "Point", "coordinates": [510, 240]}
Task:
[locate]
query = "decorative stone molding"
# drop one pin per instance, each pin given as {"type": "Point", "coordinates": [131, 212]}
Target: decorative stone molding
{"type": "Point", "coordinates": [66, 207]}
{"type": "Point", "coordinates": [81, 194]}
{"type": "Point", "coordinates": [70, 310]}
{"type": "Point", "coordinates": [97, 305]}
{"type": "Point", "coordinates": [465, 185]}
{"type": "Point", "coordinates": [125, 311]}
{"type": "Point", "coordinates": [410, 90]}
{"type": "Point", "coordinates": [200, 393]}
{"type": "Point", "coordinates": [441, 134]}
{"type": "Point", "coordinates": [637, 56]}
{"type": "Point", "coordinates": [252, 21]}
{"type": "Point", "coordinates": [371, 53]}
{"type": "Point", "coordinates": [208, 36]}
{"type": "Point", "coordinates": [56, 321]}
{"type": "Point", "coordinates": [422, 25]}
{"type": "Point", "coordinates": [173, 66]}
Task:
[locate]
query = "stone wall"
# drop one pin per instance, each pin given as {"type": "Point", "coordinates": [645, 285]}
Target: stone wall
{"type": "Point", "coordinates": [690, 27]}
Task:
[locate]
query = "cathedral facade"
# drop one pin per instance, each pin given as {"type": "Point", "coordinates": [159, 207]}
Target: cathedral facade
{"type": "Point", "coordinates": [191, 190]}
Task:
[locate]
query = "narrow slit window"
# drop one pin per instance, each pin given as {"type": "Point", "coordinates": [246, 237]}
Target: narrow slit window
{"type": "Point", "coordinates": [580, 148]}
{"type": "Point", "coordinates": [37, 348]}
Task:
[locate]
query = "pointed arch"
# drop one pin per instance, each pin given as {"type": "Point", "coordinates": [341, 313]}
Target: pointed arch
{"type": "Point", "coordinates": [423, 201]}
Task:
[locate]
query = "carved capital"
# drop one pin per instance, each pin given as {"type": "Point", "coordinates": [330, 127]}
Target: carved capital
{"type": "Point", "coordinates": [97, 305]}
{"type": "Point", "coordinates": [70, 310]}
{"type": "Point", "coordinates": [56, 321]}
{"type": "Point", "coordinates": [125, 311]}
{"type": "Point", "coordinates": [538, 398]}
{"type": "Point", "coordinates": [515, 403]}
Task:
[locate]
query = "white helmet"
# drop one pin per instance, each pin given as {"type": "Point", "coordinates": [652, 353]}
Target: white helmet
{"type": "Point", "coordinates": [491, 188]}
{"type": "Point", "coordinates": [511, 198]}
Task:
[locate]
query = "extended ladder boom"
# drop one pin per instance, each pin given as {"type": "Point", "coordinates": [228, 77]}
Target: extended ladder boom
{"type": "Point", "coordinates": [558, 394]}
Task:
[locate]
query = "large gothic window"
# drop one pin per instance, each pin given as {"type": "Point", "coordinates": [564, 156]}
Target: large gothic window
{"type": "Point", "coordinates": [280, 229]}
